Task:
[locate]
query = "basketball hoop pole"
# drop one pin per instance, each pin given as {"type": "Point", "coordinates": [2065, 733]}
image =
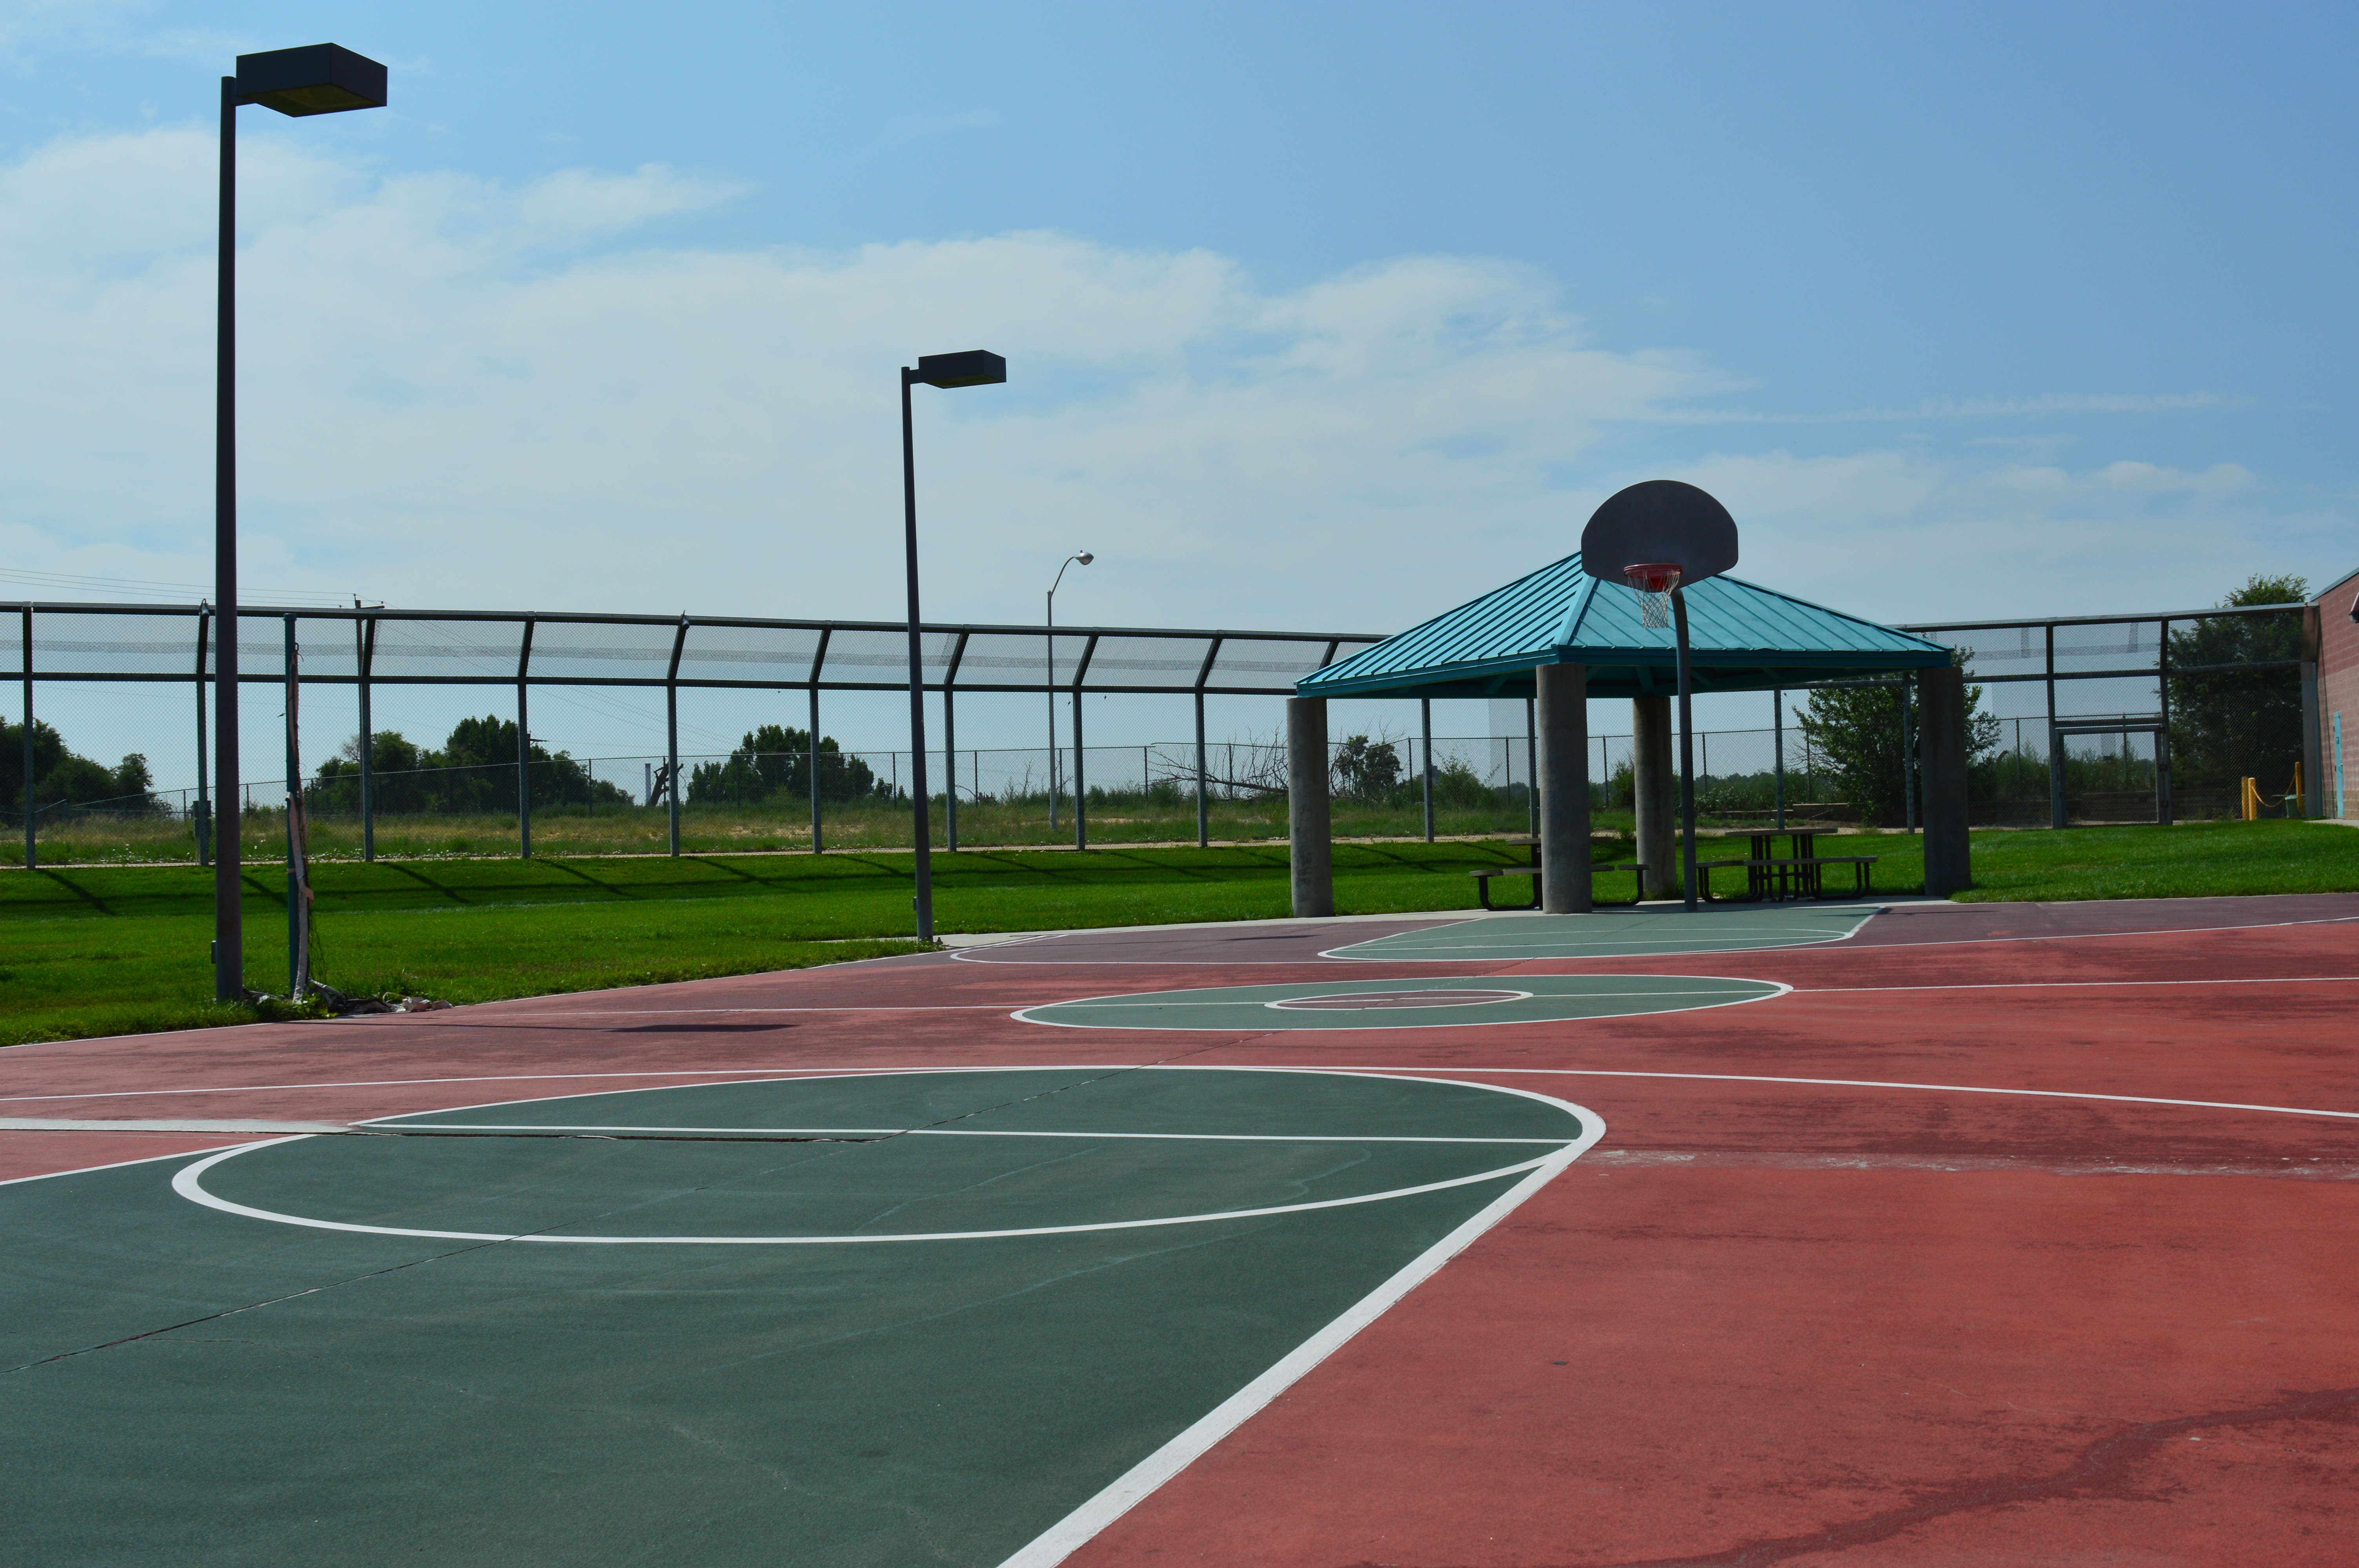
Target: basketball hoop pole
{"type": "Point", "coordinates": [1658, 536]}
{"type": "Point", "coordinates": [1687, 752]}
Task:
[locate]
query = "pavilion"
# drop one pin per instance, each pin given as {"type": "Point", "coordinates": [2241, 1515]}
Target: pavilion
{"type": "Point", "coordinates": [1562, 637]}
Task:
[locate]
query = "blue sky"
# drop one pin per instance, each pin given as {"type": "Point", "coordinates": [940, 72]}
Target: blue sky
{"type": "Point", "coordinates": [1316, 316]}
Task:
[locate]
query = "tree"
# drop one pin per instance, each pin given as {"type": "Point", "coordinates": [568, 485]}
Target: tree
{"type": "Point", "coordinates": [1857, 730]}
{"type": "Point", "coordinates": [62, 778]}
{"type": "Point", "coordinates": [1367, 769]}
{"type": "Point", "coordinates": [474, 773]}
{"type": "Point", "coordinates": [774, 760]}
{"type": "Point", "coordinates": [2229, 720]}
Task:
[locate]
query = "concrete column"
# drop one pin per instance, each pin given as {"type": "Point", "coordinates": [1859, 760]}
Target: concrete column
{"type": "Point", "coordinates": [1562, 715]}
{"type": "Point", "coordinates": [1942, 732]}
{"type": "Point", "coordinates": [1310, 836]}
{"type": "Point", "coordinates": [1654, 794]}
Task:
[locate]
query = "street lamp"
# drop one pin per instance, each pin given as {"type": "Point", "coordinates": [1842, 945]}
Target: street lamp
{"type": "Point", "coordinates": [320, 78]}
{"type": "Point", "coordinates": [1085, 558]}
{"type": "Point", "coordinates": [976, 367]}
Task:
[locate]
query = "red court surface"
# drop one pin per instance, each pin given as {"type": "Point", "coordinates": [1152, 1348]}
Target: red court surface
{"type": "Point", "coordinates": [2009, 1233]}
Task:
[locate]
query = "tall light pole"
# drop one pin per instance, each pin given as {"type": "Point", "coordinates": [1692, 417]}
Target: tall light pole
{"type": "Point", "coordinates": [1084, 557]}
{"type": "Point", "coordinates": [976, 367]}
{"type": "Point", "coordinates": [321, 79]}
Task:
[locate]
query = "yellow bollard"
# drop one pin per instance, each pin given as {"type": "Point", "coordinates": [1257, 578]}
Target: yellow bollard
{"type": "Point", "coordinates": [2248, 801]}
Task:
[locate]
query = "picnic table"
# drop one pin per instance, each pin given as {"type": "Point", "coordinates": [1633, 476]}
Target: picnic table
{"type": "Point", "coordinates": [1483, 878]}
{"type": "Point", "coordinates": [1800, 872]}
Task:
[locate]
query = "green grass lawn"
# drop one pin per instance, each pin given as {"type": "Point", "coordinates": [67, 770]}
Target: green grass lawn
{"type": "Point", "coordinates": [121, 949]}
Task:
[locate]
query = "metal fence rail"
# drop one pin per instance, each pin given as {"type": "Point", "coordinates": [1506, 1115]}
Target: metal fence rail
{"type": "Point", "coordinates": [2046, 678]}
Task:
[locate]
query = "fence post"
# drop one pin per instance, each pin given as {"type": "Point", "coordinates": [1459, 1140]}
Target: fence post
{"type": "Point", "coordinates": [1778, 744]}
{"type": "Point", "coordinates": [204, 804]}
{"type": "Point", "coordinates": [523, 753]}
{"type": "Point", "coordinates": [1080, 779]}
{"type": "Point", "coordinates": [1532, 762]}
{"type": "Point", "coordinates": [819, 657]}
{"type": "Point", "coordinates": [671, 729]}
{"type": "Point", "coordinates": [32, 857]}
{"type": "Point", "coordinates": [1909, 753]}
{"type": "Point", "coordinates": [366, 633]}
{"type": "Point", "coordinates": [1204, 801]}
{"type": "Point", "coordinates": [1203, 783]}
{"type": "Point", "coordinates": [2055, 742]}
{"type": "Point", "coordinates": [1425, 724]}
{"type": "Point", "coordinates": [295, 911]}
{"type": "Point", "coordinates": [2162, 807]}
{"type": "Point", "coordinates": [950, 764]}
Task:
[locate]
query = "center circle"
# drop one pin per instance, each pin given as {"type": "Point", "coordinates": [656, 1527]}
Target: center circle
{"type": "Point", "coordinates": [1403, 1001]}
{"type": "Point", "coordinates": [934, 1155]}
{"type": "Point", "coordinates": [1373, 1001]}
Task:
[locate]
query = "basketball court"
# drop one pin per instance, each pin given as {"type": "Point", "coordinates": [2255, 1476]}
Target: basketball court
{"type": "Point", "coordinates": [1923, 1233]}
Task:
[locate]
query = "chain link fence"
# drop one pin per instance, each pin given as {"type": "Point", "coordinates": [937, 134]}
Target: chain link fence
{"type": "Point", "coordinates": [737, 720]}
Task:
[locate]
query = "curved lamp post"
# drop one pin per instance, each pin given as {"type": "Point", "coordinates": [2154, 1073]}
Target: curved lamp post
{"type": "Point", "coordinates": [1084, 557]}
{"type": "Point", "coordinates": [976, 367]}
{"type": "Point", "coordinates": [321, 79]}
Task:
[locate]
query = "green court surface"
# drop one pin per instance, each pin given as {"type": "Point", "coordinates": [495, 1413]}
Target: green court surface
{"type": "Point", "coordinates": [1404, 1003]}
{"type": "Point", "coordinates": [1617, 933]}
{"type": "Point", "coordinates": [876, 1320]}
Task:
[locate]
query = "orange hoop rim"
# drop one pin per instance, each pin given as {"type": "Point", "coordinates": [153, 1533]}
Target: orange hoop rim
{"type": "Point", "coordinates": [1653, 577]}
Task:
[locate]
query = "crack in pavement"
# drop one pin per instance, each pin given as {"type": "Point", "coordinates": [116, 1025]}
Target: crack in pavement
{"type": "Point", "coordinates": [2103, 1464]}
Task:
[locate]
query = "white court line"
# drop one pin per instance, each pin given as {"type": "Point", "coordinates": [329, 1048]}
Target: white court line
{"type": "Point", "coordinates": [1729, 998]}
{"type": "Point", "coordinates": [248, 1127]}
{"type": "Point", "coordinates": [1060, 1540]}
{"type": "Point", "coordinates": [683, 1012]}
{"type": "Point", "coordinates": [412, 1083]}
{"type": "Point", "coordinates": [1863, 1084]}
{"type": "Point", "coordinates": [188, 1182]}
{"type": "Point", "coordinates": [1467, 933]}
{"type": "Point", "coordinates": [2069, 985]}
{"type": "Point", "coordinates": [1816, 949]}
{"type": "Point", "coordinates": [88, 1169]}
{"type": "Point", "coordinates": [1140, 999]}
{"type": "Point", "coordinates": [392, 1126]}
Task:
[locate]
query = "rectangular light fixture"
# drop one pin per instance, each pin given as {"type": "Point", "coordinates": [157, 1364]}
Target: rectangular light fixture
{"type": "Point", "coordinates": [976, 367]}
{"type": "Point", "coordinates": [318, 78]}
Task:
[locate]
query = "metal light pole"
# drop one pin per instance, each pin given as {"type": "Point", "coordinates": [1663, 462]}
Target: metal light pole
{"type": "Point", "coordinates": [976, 367]}
{"type": "Point", "coordinates": [321, 79]}
{"type": "Point", "coordinates": [1687, 750]}
{"type": "Point", "coordinates": [1049, 681]}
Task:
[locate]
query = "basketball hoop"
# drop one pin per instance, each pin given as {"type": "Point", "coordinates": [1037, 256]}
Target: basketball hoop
{"type": "Point", "coordinates": [1654, 580]}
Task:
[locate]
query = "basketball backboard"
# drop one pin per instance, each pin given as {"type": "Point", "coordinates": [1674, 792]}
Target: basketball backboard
{"type": "Point", "coordinates": [1659, 522]}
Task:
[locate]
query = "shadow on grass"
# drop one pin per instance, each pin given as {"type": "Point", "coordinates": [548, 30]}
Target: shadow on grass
{"type": "Point", "coordinates": [418, 876]}
{"type": "Point", "coordinates": [83, 893]}
{"type": "Point", "coordinates": [585, 876]}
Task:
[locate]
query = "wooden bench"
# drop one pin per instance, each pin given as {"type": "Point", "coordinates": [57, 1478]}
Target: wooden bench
{"type": "Point", "coordinates": [1483, 882]}
{"type": "Point", "coordinates": [1777, 878]}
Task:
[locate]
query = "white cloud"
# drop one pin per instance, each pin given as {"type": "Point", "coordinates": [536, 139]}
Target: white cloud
{"type": "Point", "coordinates": [461, 393]}
{"type": "Point", "coordinates": [1914, 536]}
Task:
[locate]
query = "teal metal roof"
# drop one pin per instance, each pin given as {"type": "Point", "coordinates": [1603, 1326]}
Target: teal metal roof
{"type": "Point", "coordinates": [1740, 638]}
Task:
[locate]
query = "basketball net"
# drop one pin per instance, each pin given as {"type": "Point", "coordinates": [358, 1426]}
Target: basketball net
{"type": "Point", "coordinates": [1654, 580]}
